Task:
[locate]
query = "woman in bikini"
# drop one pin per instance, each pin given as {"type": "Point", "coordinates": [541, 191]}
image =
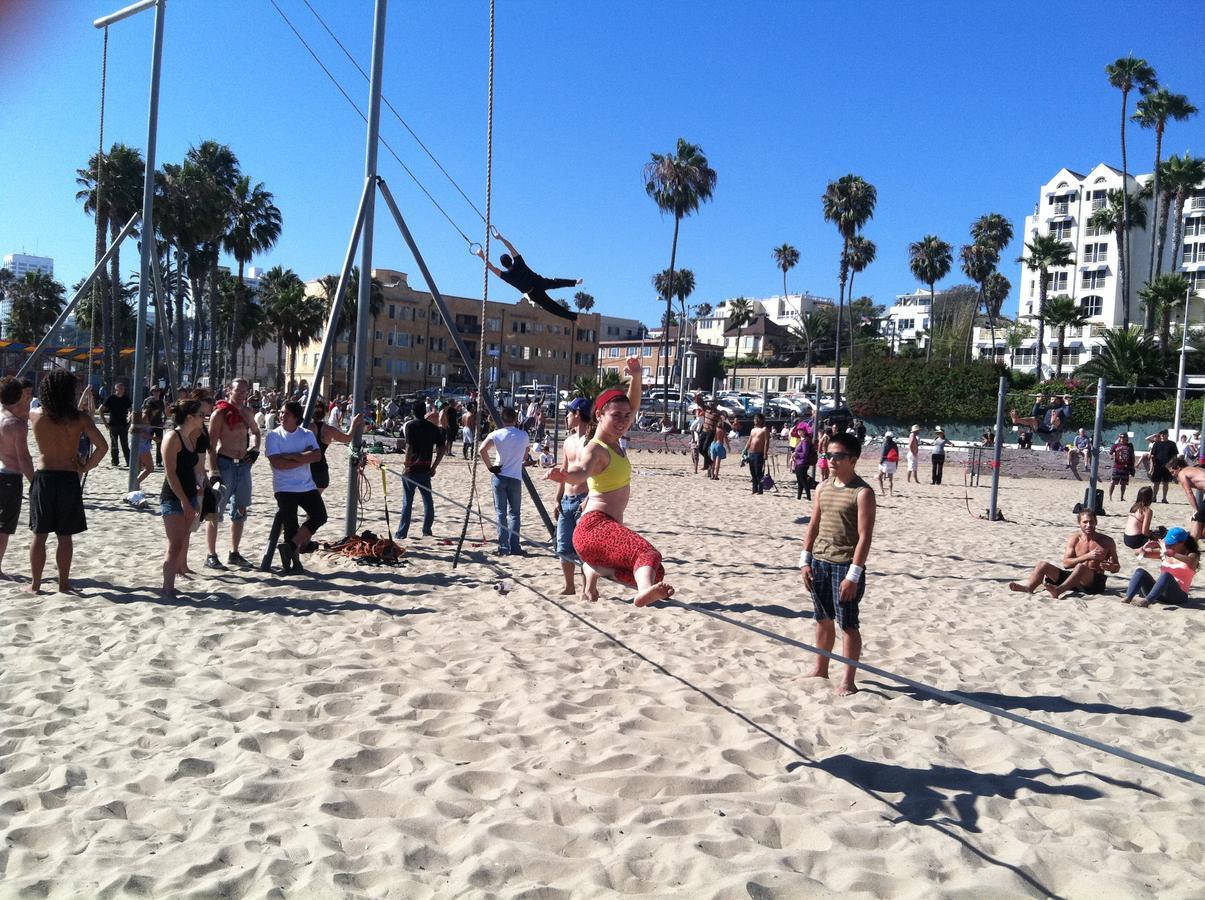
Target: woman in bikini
{"type": "Point", "coordinates": [603, 544]}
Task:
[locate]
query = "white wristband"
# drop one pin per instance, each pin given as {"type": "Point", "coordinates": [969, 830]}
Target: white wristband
{"type": "Point", "coordinates": [805, 558]}
{"type": "Point", "coordinates": [854, 574]}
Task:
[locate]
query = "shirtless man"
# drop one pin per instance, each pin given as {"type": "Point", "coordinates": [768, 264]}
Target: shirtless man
{"type": "Point", "coordinates": [15, 462]}
{"type": "Point", "coordinates": [56, 499]}
{"type": "Point", "coordinates": [1087, 557]}
{"type": "Point", "coordinates": [571, 497]}
{"type": "Point", "coordinates": [231, 455]}
{"type": "Point", "coordinates": [468, 427]}
{"type": "Point", "coordinates": [913, 454]}
{"type": "Point", "coordinates": [1191, 478]}
{"type": "Point", "coordinates": [757, 447]}
{"type": "Point", "coordinates": [711, 418]}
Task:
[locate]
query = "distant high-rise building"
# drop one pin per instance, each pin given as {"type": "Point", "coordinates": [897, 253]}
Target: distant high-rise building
{"type": "Point", "coordinates": [19, 264]}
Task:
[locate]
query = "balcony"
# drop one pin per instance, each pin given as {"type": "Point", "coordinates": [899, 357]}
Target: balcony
{"type": "Point", "coordinates": [1062, 209]}
{"type": "Point", "coordinates": [1197, 203]}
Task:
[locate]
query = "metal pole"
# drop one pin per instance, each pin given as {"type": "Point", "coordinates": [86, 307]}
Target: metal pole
{"type": "Point", "coordinates": [331, 335]}
{"type": "Point", "coordinates": [458, 342]}
{"type": "Point", "coordinates": [1200, 494]}
{"type": "Point", "coordinates": [364, 301]}
{"type": "Point", "coordinates": [1180, 382]}
{"type": "Point", "coordinates": [161, 299]}
{"type": "Point", "coordinates": [53, 331]}
{"type": "Point", "coordinates": [998, 450]}
{"type": "Point", "coordinates": [148, 223]}
{"type": "Point", "coordinates": [556, 415]}
{"type": "Point", "coordinates": [1097, 435]}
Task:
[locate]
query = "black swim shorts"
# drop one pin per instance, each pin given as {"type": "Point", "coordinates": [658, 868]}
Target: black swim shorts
{"type": "Point", "coordinates": [1198, 516]}
{"type": "Point", "coordinates": [1160, 474]}
{"type": "Point", "coordinates": [56, 503]}
{"type": "Point", "coordinates": [10, 502]}
{"type": "Point", "coordinates": [1095, 586]}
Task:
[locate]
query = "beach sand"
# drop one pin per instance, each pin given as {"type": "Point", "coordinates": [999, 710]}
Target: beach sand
{"type": "Point", "coordinates": [415, 732]}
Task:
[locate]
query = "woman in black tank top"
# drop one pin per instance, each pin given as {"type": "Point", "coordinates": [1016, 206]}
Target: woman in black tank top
{"type": "Point", "coordinates": [179, 499]}
{"type": "Point", "coordinates": [327, 435]}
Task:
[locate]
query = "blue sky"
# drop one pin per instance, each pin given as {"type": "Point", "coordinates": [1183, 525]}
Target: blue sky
{"type": "Point", "coordinates": [950, 109]}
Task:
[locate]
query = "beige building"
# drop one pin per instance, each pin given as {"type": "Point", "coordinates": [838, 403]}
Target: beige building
{"type": "Point", "coordinates": [702, 360]}
{"type": "Point", "coordinates": [412, 349]}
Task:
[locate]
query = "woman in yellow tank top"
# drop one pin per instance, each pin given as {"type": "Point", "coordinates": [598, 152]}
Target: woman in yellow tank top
{"type": "Point", "coordinates": [606, 547]}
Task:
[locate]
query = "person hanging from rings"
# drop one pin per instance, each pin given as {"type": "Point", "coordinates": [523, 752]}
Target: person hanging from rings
{"type": "Point", "coordinates": [519, 275]}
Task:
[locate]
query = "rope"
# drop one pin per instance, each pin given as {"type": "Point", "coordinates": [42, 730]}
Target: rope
{"type": "Point", "coordinates": [485, 284]}
{"type": "Point", "coordinates": [361, 114]}
{"type": "Point", "coordinates": [97, 291]}
{"type": "Point", "coordinates": [396, 114]}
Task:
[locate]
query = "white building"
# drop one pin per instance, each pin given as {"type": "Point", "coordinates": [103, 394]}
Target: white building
{"type": "Point", "coordinates": [1065, 204]}
{"type": "Point", "coordinates": [786, 311]}
{"type": "Point", "coordinates": [907, 319]}
{"type": "Point", "coordinates": [613, 328]}
{"type": "Point", "coordinates": [20, 263]}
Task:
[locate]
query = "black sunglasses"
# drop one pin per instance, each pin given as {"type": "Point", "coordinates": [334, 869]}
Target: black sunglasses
{"type": "Point", "coordinates": [837, 457]}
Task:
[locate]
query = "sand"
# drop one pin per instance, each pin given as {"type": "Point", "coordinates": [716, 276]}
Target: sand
{"type": "Point", "coordinates": [415, 732]}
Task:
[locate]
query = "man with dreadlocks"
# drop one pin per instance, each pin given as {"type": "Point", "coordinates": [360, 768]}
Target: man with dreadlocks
{"type": "Point", "coordinates": [56, 499]}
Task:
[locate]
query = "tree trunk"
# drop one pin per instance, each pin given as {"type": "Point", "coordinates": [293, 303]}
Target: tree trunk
{"type": "Point", "coordinates": [837, 342]}
{"type": "Point", "coordinates": [736, 357]}
{"type": "Point", "coordinates": [1155, 200]}
{"type": "Point", "coordinates": [100, 287]}
{"type": "Point", "coordinates": [851, 317]}
{"type": "Point", "coordinates": [198, 325]}
{"type": "Point", "coordinates": [932, 323]}
{"type": "Point", "coordinates": [1161, 238]}
{"type": "Point", "coordinates": [1041, 318]}
{"type": "Point", "coordinates": [966, 357]}
{"type": "Point", "coordinates": [1058, 363]}
{"type": "Point", "coordinates": [214, 377]}
{"type": "Point", "coordinates": [1178, 229]}
{"type": "Point", "coordinates": [180, 316]}
{"type": "Point", "coordinates": [1123, 261]}
{"type": "Point", "coordinates": [280, 363]}
{"type": "Point", "coordinates": [110, 321]}
{"type": "Point", "coordinates": [669, 294]}
{"type": "Point", "coordinates": [1165, 328]}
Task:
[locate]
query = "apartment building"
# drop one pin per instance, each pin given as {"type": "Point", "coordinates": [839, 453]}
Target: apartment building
{"type": "Point", "coordinates": [1065, 206]}
{"type": "Point", "coordinates": [784, 311]}
{"type": "Point", "coordinates": [613, 328]}
{"type": "Point", "coordinates": [412, 348]}
{"type": "Point", "coordinates": [703, 360]}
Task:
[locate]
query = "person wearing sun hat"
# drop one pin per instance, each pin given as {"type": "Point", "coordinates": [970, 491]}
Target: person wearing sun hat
{"type": "Point", "coordinates": [913, 454]}
{"type": "Point", "coordinates": [1180, 556]}
{"type": "Point", "coordinates": [889, 461]}
{"type": "Point", "coordinates": [939, 454]}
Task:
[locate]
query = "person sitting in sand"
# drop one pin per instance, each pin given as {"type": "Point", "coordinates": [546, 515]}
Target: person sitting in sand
{"type": "Point", "coordinates": [1138, 522]}
{"type": "Point", "coordinates": [1181, 557]}
{"type": "Point", "coordinates": [1192, 479]}
{"type": "Point", "coordinates": [56, 497]}
{"type": "Point", "coordinates": [605, 546]}
{"type": "Point", "coordinates": [1088, 555]}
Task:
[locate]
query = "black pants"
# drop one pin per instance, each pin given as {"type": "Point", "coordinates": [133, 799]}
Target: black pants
{"type": "Point", "coordinates": [157, 440]}
{"type": "Point", "coordinates": [705, 439]}
{"type": "Point", "coordinates": [802, 482]}
{"type": "Point", "coordinates": [539, 296]}
{"type": "Point", "coordinates": [119, 435]}
{"type": "Point", "coordinates": [938, 464]}
{"type": "Point", "coordinates": [310, 501]}
{"type": "Point", "coordinates": [757, 468]}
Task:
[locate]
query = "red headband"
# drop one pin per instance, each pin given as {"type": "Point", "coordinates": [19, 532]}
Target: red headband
{"type": "Point", "coordinates": [606, 397]}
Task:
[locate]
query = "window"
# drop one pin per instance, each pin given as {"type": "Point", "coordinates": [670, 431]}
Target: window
{"type": "Point", "coordinates": [493, 324]}
{"type": "Point", "coordinates": [1198, 200]}
{"type": "Point", "coordinates": [1095, 230]}
{"type": "Point", "coordinates": [378, 335]}
{"type": "Point", "coordinates": [401, 367]}
{"type": "Point", "coordinates": [648, 351]}
{"type": "Point", "coordinates": [1194, 227]}
{"type": "Point", "coordinates": [376, 362]}
{"type": "Point", "coordinates": [1061, 230]}
{"type": "Point", "coordinates": [612, 352]}
{"type": "Point", "coordinates": [1096, 252]}
{"type": "Point", "coordinates": [389, 339]}
{"type": "Point", "coordinates": [906, 324]}
{"type": "Point", "coordinates": [1092, 305]}
{"type": "Point", "coordinates": [1057, 282]}
{"type": "Point", "coordinates": [1099, 198]}
{"type": "Point", "coordinates": [392, 310]}
{"type": "Point", "coordinates": [1094, 280]}
{"type": "Point", "coordinates": [1194, 253]}
{"type": "Point", "coordinates": [527, 353]}
{"type": "Point", "coordinates": [1031, 286]}
{"type": "Point", "coordinates": [1198, 279]}
{"type": "Point", "coordinates": [646, 373]}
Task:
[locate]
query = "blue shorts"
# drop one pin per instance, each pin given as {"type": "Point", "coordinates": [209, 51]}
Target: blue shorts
{"type": "Point", "coordinates": [718, 451]}
{"type": "Point", "coordinates": [236, 476]}
{"type": "Point", "coordinates": [826, 587]}
{"type": "Point", "coordinates": [173, 506]}
{"type": "Point", "coordinates": [571, 510]}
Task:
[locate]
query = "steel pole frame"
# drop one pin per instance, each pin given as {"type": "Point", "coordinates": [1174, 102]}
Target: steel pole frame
{"type": "Point", "coordinates": [364, 301]}
{"type": "Point", "coordinates": [998, 449]}
{"type": "Point", "coordinates": [148, 223]}
{"type": "Point", "coordinates": [458, 341]}
{"type": "Point", "coordinates": [1098, 428]}
{"type": "Point", "coordinates": [79, 294]}
{"type": "Point", "coordinates": [1180, 382]}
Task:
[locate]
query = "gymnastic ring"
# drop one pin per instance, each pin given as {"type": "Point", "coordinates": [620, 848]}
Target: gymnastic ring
{"type": "Point", "coordinates": [476, 244]}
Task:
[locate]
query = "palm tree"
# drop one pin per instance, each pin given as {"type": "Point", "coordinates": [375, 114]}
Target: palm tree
{"type": "Point", "coordinates": [1062, 313]}
{"type": "Point", "coordinates": [978, 263]}
{"type": "Point", "coordinates": [1112, 217]}
{"type": "Point", "coordinates": [254, 227]}
{"type": "Point", "coordinates": [1044, 253]}
{"type": "Point", "coordinates": [992, 230]}
{"type": "Point", "coordinates": [740, 314]}
{"type": "Point", "coordinates": [849, 204]}
{"type": "Point", "coordinates": [37, 300]}
{"type": "Point", "coordinates": [1127, 356]}
{"type": "Point", "coordinates": [786, 258]}
{"type": "Point", "coordinates": [348, 313]}
{"type": "Point", "coordinates": [1181, 175]}
{"type": "Point", "coordinates": [91, 182]}
{"type": "Point", "coordinates": [678, 183]}
{"type": "Point", "coordinates": [702, 311]}
{"type": "Point", "coordinates": [996, 288]}
{"type": "Point", "coordinates": [1153, 111]}
{"type": "Point", "coordinates": [930, 259]}
{"type": "Point", "coordinates": [1160, 297]}
{"type": "Point", "coordinates": [299, 320]}
{"type": "Point", "coordinates": [1126, 74]}
{"type": "Point", "coordinates": [583, 301]}
{"type": "Point", "coordinates": [278, 288]}
{"type": "Point", "coordinates": [861, 254]}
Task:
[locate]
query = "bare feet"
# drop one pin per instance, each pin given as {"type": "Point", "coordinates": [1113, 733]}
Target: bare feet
{"type": "Point", "coordinates": [1053, 591]}
{"type": "Point", "coordinates": [1144, 603]}
{"type": "Point", "coordinates": [33, 587]}
{"type": "Point", "coordinates": [166, 593]}
{"type": "Point", "coordinates": [568, 590]}
{"type": "Point", "coordinates": [845, 688]}
{"type": "Point", "coordinates": [589, 593]}
{"type": "Point", "coordinates": [818, 672]}
{"type": "Point", "coordinates": [659, 591]}
{"type": "Point", "coordinates": [66, 588]}
{"type": "Point", "coordinates": [1018, 587]}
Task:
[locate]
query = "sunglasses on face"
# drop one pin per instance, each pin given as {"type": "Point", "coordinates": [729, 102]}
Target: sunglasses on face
{"type": "Point", "coordinates": [837, 456]}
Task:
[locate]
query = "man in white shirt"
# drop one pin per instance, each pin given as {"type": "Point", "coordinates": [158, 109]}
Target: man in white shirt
{"type": "Point", "coordinates": [509, 444]}
{"type": "Point", "coordinates": [291, 449]}
{"type": "Point", "coordinates": [335, 417]}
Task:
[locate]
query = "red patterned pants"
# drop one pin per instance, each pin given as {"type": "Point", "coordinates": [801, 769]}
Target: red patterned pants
{"type": "Point", "coordinates": [605, 545]}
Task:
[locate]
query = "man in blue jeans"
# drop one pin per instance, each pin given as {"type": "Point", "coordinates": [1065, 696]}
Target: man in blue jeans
{"type": "Point", "coordinates": [424, 450]}
{"type": "Point", "coordinates": [509, 444]}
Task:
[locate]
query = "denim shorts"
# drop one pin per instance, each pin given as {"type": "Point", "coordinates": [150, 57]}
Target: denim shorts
{"type": "Point", "coordinates": [236, 476]}
{"type": "Point", "coordinates": [826, 586]}
{"type": "Point", "coordinates": [173, 507]}
{"type": "Point", "coordinates": [571, 510]}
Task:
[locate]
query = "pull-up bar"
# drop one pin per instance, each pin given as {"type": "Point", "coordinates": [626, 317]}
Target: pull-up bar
{"type": "Point", "coordinates": [132, 9]}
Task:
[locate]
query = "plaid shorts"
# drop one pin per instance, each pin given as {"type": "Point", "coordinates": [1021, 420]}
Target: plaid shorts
{"type": "Point", "coordinates": [826, 593]}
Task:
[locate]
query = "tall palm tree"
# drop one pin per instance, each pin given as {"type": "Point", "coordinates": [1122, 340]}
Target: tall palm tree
{"type": "Point", "coordinates": [861, 254]}
{"type": "Point", "coordinates": [278, 289]}
{"type": "Point", "coordinates": [992, 230]}
{"type": "Point", "coordinates": [91, 181]}
{"type": "Point", "coordinates": [1161, 298]}
{"type": "Point", "coordinates": [37, 300]}
{"type": "Point", "coordinates": [740, 314]}
{"type": "Point", "coordinates": [1121, 207]}
{"type": "Point", "coordinates": [930, 259]}
{"type": "Point", "coordinates": [849, 204]}
{"type": "Point", "coordinates": [1154, 111]}
{"type": "Point", "coordinates": [254, 227]}
{"type": "Point", "coordinates": [1062, 313]}
{"type": "Point", "coordinates": [299, 320]}
{"type": "Point", "coordinates": [1127, 356]}
{"type": "Point", "coordinates": [1126, 74]}
{"type": "Point", "coordinates": [349, 313]}
{"type": "Point", "coordinates": [583, 301]}
{"type": "Point", "coordinates": [978, 263]}
{"type": "Point", "coordinates": [678, 183]}
{"type": "Point", "coordinates": [786, 258]}
{"type": "Point", "coordinates": [1043, 253]}
{"type": "Point", "coordinates": [996, 288]}
{"type": "Point", "coordinates": [1181, 175]}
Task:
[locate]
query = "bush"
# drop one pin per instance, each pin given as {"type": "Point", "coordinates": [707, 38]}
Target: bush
{"type": "Point", "coordinates": [912, 389]}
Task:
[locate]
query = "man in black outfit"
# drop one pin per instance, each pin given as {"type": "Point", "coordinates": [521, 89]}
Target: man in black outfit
{"type": "Point", "coordinates": [424, 449]}
{"type": "Point", "coordinates": [1163, 452]}
{"type": "Point", "coordinates": [116, 413]}
{"type": "Point", "coordinates": [518, 275]}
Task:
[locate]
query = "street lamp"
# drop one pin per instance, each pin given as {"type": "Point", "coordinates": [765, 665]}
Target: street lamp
{"type": "Point", "coordinates": [1180, 382]}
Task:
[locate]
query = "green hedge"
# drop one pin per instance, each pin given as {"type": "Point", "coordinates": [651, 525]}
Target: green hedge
{"type": "Point", "coordinates": [911, 389]}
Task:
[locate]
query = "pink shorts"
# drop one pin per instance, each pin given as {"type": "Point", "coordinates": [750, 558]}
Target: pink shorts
{"type": "Point", "coordinates": [605, 545]}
